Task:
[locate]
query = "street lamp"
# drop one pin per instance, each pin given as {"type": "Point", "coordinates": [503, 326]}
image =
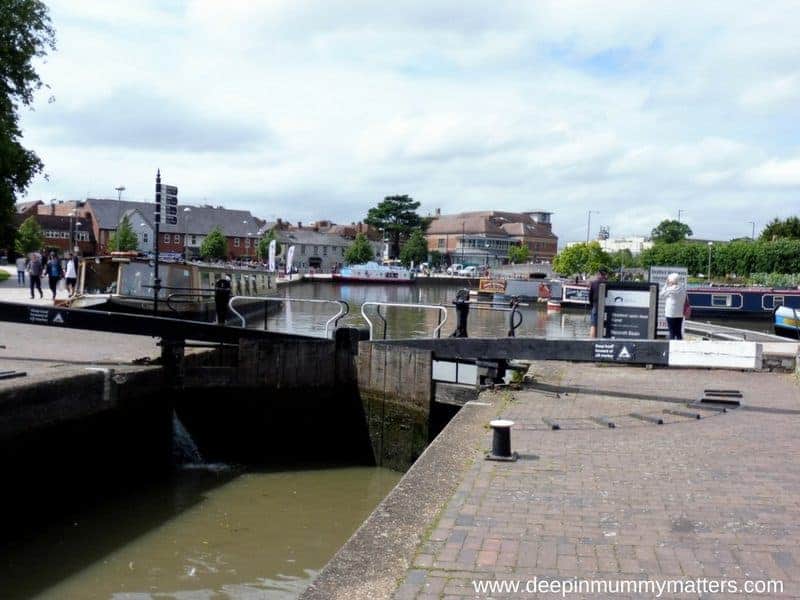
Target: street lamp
{"type": "Point", "coordinates": [679, 214]}
{"type": "Point", "coordinates": [753, 233]}
{"type": "Point", "coordinates": [486, 256]}
{"type": "Point", "coordinates": [589, 222]}
{"type": "Point", "coordinates": [709, 260]}
{"type": "Point", "coordinates": [186, 233]}
{"type": "Point", "coordinates": [119, 189]}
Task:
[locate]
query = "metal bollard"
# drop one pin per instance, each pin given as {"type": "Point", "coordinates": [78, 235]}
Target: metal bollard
{"type": "Point", "coordinates": [501, 441]}
{"type": "Point", "coordinates": [462, 313]}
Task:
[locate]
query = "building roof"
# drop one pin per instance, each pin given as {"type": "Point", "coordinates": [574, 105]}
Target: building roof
{"type": "Point", "coordinates": [198, 220]}
{"type": "Point", "coordinates": [307, 236]}
{"type": "Point", "coordinates": [23, 207]}
{"type": "Point", "coordinates": [490, 223]}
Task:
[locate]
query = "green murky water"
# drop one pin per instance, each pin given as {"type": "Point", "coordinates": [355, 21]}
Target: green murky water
{"type": "Point", "coordinates": [208, 533]}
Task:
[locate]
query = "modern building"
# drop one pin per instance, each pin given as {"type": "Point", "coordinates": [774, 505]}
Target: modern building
{"type": "Point", "coordinates": [634, 243]}
{"type": "Point", "coordinates": [484, 237]}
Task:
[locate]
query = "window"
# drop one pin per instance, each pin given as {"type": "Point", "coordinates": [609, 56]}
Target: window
{"type": "Point", "coordinates": [236, 242]}
{"type": "Point", "coordinates": [303, 249]}
{"type": "Point", "coordinates": [176, 238]}
{"type": "Point", "coordinates": [194, 240]}
{"type": "Point", "coordinates": [777, 301]}
{"type": "Point", "coordinates": [316, 250]}
{"type": "Point", "coordinates": [83, 236]}
{"type": "Point", "coordinates": [324, 251]}
{"type": "Point", "coordinates": [166, 238]}
{"type": "Point", "coordinates": [247, 242]}
{"type": "Point", "coordinates": [720, 300]}
{"type": "Point", "coordinates": [440, 243]}
{"type": "Point", "coordinates": [65, 235]}
{"type": "Point", "coordinates": [145, 238]}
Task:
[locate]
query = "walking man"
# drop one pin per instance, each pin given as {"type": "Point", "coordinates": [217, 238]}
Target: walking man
{"type": "Point", "coordinates": [54, 272]}
{"type": "Point", "coordinates": [35, 269]}
{"type": "Point", "coordinates": [594, 292]}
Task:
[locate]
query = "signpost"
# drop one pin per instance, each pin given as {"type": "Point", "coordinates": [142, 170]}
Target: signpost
{"type": "Point", "coordinates": [627, 310]}
{"type": "Point", "coordinates": [166, 205]}
{"type": "Point", "coordinates": [659, 275]}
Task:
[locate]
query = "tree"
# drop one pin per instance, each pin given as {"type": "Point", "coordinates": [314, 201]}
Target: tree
{"type": "Point", "coordinates": [436, 259]}
{"type": "Point", "coordinates": [670, 231]}
{"type": "Point", "coordinates": [215, 245]}
{"type": "Point", "coordinates": [124, 239]}
{"type": "Point", "coordinates": [777, 229]}
{"type": "Point", "coordinates": [518, 253]}
{"type": "Point", "coordinates": [586, 257]}
{"type": "Point", "coordinates": [360, 251]}
{"type": "Point", "coordinates": [397, 216]}
{"type": "Point", "coordinates": [415, 249]}
{"type": "Point", "coordinates": [25, 35]}
{"type": "Point", "coordinates": [622, 258]}
{"type": "Point", "coordinates": [263, 244]}
{"type": "Point", "coordinates": [29, 236]}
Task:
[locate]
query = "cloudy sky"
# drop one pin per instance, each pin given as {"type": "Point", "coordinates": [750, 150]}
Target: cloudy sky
{"type": "Point", "coordinates": [308, 110]}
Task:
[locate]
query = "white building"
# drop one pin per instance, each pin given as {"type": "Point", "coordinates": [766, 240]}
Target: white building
{"type": "Point", "coordinates": [634, 243]}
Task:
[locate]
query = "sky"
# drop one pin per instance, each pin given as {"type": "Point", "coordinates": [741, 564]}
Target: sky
{"type": "Point", "coordinates": [311, 110]}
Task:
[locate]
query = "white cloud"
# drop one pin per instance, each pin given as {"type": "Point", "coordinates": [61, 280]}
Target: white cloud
{"type": "Point", "coordinates": [311, 109]}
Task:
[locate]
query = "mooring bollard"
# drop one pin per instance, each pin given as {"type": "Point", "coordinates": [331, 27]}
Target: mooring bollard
{"type": "Point", "coordinates": [462, 313]}
{"type": "Point", "coordinates": [501, 441]}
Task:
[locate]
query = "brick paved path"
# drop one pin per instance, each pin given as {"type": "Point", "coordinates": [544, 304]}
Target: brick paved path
{"type": "Point", "coordinates": [714, 498]}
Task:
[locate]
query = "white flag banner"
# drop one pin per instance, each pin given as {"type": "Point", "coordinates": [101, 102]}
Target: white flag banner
{"type": "Point", "coordinates": [271, 265]}
{"type": "Point", "coordinates": [289, 257]}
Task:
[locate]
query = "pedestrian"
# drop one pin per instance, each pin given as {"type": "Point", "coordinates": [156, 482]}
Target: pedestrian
{"type": "Point", "coordinates": [35, 273]}
{"type": "Point", "coordinates": [54, 272]}
{"type": "Point", "coordinates": [594, 292]}
{"type": "Point", "coordinates": [674, 295]}
{"type": "Point", "coordinates": [71, 274]}
{"type": "Point", "coordinates": [22, 263]}
{"type": "Point", "coordinates": [222, 296]}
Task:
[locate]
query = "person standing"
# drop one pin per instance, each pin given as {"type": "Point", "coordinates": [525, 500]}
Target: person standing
{"type": "Point", "coordinates": [674, 295]}
{"type": "Point", "coordinates": [35, 268]}
{"type": "Point", "coordinates": [71, 274]}
{"type": "Point", "coordinates": [594, 291]}
{"type": "Point", "coordinates": [22, 263]}
{"type": "Point", "coordinates": [54, 272]}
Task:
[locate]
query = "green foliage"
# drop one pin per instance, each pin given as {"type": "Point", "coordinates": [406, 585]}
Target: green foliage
{"type": "Point", "coordinates": [29, 237]}
{"type": "Point", "coordinates": [622, 258]}
{"type": "Point", "coordinates": [397, 216]}
{"type": "Point", "coordinates": [415, 249]}
{"type": "Point", "coordinates": [360, 251]}
{"type": "Point", "coordinates": [25, 35]}
{"type": "Point", "coordinates": [580, 258]}
{"type": "Point", "coordinates": [518, 253]}
{"type": "Point", "coordinates": [776, 280]}
{"type": "Point", "coordinates": [777, 229]}
{"type": "Point", "coordinates": [124, 239]}
{"type": "Point", "coordinates": [263, 244]}
{"type": "Point", "coordinates": [670, 231]}
{"type": "Point", "coordinates": [436, 259]}
{"type": "Point", "coordinates": [740, 258]}
{"type": "Point", "coordinates": [4, 275]}
{"type": "Point", "coordinates": [214, 245]}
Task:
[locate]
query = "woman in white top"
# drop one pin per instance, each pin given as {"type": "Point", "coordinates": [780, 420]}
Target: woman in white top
{"type": "Point", "coordinates": [674, 296]}
{"type": "Point", "coordinates": [71, 274]}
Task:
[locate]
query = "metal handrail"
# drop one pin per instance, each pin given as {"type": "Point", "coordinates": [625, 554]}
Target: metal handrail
{"type": "Point", "coordinates": [344, 308]}
{"type": "Point", "coordinates": [436, 332]}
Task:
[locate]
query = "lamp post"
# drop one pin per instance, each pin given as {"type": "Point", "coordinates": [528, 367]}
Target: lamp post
{"type": "Point", "coordinates": [186, 212]}
{"type": "Point", "coordinates": [679, 214]}
{"type": "Point", "coordinates": [753, 231]}
{"type": "Point", "coordinates": [119, 189]}
{"type": "Point", "coordinates": [589, 222]}
{"type": "Point", "coordinates": [462, 243]}
{"type": "Point", "coordinates": [709, 260]}
{"type": "Point", "coordinates": [487, 254]}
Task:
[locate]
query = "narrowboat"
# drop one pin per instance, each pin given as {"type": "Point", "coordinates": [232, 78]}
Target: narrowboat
{"type": "Point", "coordinates": [372, 272]}
{"type": "Point", "coordinates": [740, 302]}
{"type": "Point", "coordinates": [123, 282]}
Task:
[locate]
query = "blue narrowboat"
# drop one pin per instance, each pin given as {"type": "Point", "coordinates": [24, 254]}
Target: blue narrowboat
{"type": "Point", "coordinates": [740, 302]}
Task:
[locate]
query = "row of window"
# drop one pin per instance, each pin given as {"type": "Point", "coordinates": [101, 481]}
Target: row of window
{"type": "Point", "coordinates": [334, 249]}
{"type": "Point", "coordinates": [80, 236]}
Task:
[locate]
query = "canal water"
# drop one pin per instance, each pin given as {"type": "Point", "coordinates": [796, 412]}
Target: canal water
{"type": "Point", "coordinates": [210, 532]}
{"type": "Point", "coordinates": [298, 317]}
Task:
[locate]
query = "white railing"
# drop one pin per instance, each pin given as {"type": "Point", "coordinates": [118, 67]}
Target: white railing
{"type": "Point", "coordinates": [437, 330]}
{"type": "Point", "coordinates": [344, 308]}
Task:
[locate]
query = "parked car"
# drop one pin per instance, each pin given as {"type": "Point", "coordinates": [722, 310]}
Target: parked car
{"type": "Point", "coordinates": [454, 268]}
{"type": "Point", "coordinates": [470, 271]}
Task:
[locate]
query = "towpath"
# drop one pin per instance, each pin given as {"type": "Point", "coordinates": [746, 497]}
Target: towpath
{"type": "Point", "coordinates": [716, 498]}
